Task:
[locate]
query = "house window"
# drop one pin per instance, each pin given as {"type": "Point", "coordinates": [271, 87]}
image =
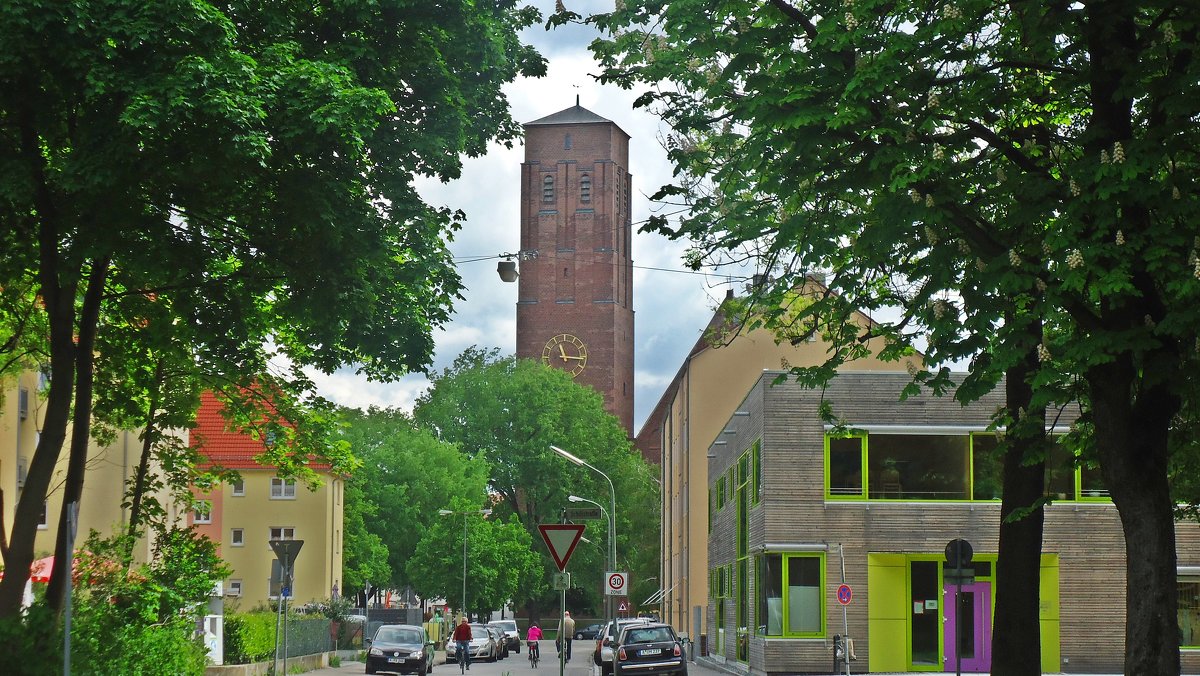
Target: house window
{"type": "Point", "coordinates": [237, 537]}
{"type": "Point", "coordinates": [756, 472]}
{"type": "Point", "coordinates": [283, 489]}
{"type": "Point", "coordinates": [585, 188]}
{"type": "Point", "coordinates": [282, 533]}
{"type": "Point", "coordinates": [547, 188]}
{"type": "Point", "coordinates": [789, 601]}
{"type": "Point", "coordinates": [233, 588]}
{"type": "Point", "coordinates": [239, 487]}
{"type": "Point", "coordinates": [1189, 610]}
{"type": "Point", "coordinates": [845, 457]}
{"type": "Point", "coordinates": [202, 513]}
{"type": "Point", "coordinates": [43, 520]}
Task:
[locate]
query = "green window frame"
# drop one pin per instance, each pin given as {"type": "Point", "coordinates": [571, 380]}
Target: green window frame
{"type": "Point", "coordinates": [1188, 587]}
{"type": "Point", "coordinates": [756, 472]}
{"type": "Point", "coordinates": [790, 595]}
{"type": "Point", "coordinates": [844, 473]}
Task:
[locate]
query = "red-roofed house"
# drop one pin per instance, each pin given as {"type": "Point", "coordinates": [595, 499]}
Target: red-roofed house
{"type": "Point", "coordinates": [244, 516]}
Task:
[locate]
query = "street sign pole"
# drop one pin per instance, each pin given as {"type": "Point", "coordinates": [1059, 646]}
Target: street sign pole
{"type": "Point", "coordinates": [285, 551]}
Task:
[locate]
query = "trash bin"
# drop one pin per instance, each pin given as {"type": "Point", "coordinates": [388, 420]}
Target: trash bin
{"type": "Point", "coordinates": [704, 645]}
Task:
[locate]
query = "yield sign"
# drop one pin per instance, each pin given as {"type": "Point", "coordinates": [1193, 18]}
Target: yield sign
{"type": "Point", "coordinates": [561, 538]}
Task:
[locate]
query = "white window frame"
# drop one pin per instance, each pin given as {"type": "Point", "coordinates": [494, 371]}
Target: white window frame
{"type": "Point", "coordinates": [284, 533]}
{"type": "Point", "coordinates": [283, 489]}
{"type": "Point", "coordinates": [44, 522]}
{"type": "Point", "coordinates": [237, 537]}
{"type": "Point", "coordinates": [233, 588]}
{"type": "Point", "coordinates": [238, 487]}
{"type": "Point", "coordinates": [202, 512]}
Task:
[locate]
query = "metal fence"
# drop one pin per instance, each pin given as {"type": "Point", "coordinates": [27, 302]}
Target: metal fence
{"type": "Point", "coordinates": [308, 636]}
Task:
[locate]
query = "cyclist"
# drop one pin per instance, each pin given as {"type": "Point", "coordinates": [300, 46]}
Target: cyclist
{"type": "Point", "coordinates": [532, 637]}
{"type": "Point", "coordinates": [462, 637]}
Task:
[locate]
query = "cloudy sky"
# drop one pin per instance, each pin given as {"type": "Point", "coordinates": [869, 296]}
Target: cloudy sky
{"type": "Point", "coordinates": [671, 307]}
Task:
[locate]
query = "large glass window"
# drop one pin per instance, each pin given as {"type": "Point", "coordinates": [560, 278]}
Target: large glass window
{"type": "Point", "coordinates": [918, 466]}
{"type": "Point", "coordinates": [845, 466]}
{"type": "Point", "coordinates": [756, 471]}
{"type": "Point", "coordinates": [987, 467]}
{"type": "Point", "coordinates": [1091, 484]}
{"type": "Point", "coordinates": [1189, 611]}
{"type": "Point", "coordinates": [789, 599]}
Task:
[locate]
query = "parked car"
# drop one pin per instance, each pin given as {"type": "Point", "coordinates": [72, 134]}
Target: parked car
{"type": "Point", "coordinates": [649, 648]}
{"type": "Point", "coordinates": [483, 646]}
{"type": "Point", "coordinates": [603, 655]}
{"type": "Point", "coordinates": [588, 632]}
{"type": "Point", "coordinates": [400, 649]}
{"type": "Point", "coordinates": [511, 636]}
{"type": "Point", "coordinates": [501, 642]}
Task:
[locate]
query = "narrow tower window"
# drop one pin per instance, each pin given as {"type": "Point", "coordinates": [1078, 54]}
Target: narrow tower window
{"type": "Point", "coordinates": [548, 188]}
{"type": "Point", "coordinates": [585, 188]}
{"type": "Point", "coordinates": [566, 141]}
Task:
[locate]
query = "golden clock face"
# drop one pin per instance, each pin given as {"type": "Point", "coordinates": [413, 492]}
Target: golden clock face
{"type": "Point", "coordinates": [566, 352]}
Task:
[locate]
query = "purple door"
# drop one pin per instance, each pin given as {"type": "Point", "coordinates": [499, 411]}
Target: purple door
{"type": "Point", "coordinates": [974, 641]}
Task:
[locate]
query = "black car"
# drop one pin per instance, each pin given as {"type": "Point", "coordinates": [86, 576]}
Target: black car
{"type": "Point", "coordinates": [400, 649]}
{"type": "Point", "coordinates": [589, 632]}
{"type": "Point", "coordinates": [650, 648]}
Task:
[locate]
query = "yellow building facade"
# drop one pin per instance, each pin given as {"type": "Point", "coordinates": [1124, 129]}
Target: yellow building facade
{"type": "Point", "coordinates": [689, 417]}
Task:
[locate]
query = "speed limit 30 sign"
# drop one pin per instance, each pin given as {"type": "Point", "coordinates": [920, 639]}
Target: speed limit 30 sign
{"type": "Point", "coordinates": [616, 583]}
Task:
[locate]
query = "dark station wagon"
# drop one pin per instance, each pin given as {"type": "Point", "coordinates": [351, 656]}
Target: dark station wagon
{"type": "Point", "coordinates": [650, 648]}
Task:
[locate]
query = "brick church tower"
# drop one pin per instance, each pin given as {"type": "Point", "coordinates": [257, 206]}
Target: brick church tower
{"type": "Point", "coordinates": [575, 296]}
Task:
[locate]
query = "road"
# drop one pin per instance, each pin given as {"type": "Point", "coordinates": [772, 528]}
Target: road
{"type": "Point", "coordinates": [517, 664]}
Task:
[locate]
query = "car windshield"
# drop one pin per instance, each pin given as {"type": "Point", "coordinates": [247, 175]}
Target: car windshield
{"type": "Point", "coordinates": [647, 635]}
{"type": "Point", "coordinates": [397, 635]}
{"type": "Point", "coordinates": [505, 626]}
{"type": "Point", "coordinates": [479, 631]}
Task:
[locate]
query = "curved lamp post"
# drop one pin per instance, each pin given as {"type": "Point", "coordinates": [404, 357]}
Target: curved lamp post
{"type": "Point", "coordinates": [612, 565]}
{"type": "Point", "coordinates": [612, 515]}
{"type": "Point", "coordinates": [448, 512]}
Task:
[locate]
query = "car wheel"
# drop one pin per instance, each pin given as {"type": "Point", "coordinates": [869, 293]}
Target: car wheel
{"type": "Point", "coordinates": [579, 636]}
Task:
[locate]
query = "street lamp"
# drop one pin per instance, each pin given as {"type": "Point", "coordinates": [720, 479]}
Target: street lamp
{"type": "Point", "coordinates": [575, 498]}
{"type": "Point", "coordinates": [612, 516]}
{"type": "Point", "coordinates": [448, 512]}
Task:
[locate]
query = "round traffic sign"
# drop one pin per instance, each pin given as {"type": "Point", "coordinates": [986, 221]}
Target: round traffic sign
{"type": "Point", "coordinates": [616, 581]}
{"type": "Point", "coordinates": [844, 594]}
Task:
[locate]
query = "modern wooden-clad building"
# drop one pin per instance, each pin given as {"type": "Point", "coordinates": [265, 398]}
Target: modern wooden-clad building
{"type": "Point", "coordinates": [799, 508]}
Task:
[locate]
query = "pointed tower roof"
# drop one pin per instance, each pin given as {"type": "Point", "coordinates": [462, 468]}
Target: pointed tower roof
{"type": "Point", "coordinates": [576, 114]}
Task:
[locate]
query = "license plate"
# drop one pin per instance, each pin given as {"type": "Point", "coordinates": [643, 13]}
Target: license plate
{"type": "Point", "coordinates": [650, 651]}
{"type": "Point", "coordinates": [395, 660]}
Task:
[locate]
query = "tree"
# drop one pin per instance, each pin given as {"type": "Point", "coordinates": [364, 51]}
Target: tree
{"type": "Point", "coordinates": [406, 477]}
{"type": "Point", "coordinates": [510, 411]}
{"type": "Point", "coordinates": [250, 168]}
{"type": "Point", "coordinates": [1018, 178]}
{"type": "Point", "coordinates": [499, 558]}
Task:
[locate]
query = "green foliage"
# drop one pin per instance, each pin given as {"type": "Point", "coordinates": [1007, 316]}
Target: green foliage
{"type": "Point", "coordinates": [37, 632]}
{"type": "Point", "coordinates": [249, 637]}
{"type": "Point", "coordinates": [192, 192]}
{"type": "Point", "coordinates": [510, 412]}
{"type": "Point", "coordinates": [995, 183]}
{"type": "Point", "coordinates": [407, 475]}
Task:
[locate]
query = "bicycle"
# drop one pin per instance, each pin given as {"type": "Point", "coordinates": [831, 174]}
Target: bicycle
{"type": "Point", "coordinates": [534, 654]}
{"type": "Point", "coordinates": [464, 655]}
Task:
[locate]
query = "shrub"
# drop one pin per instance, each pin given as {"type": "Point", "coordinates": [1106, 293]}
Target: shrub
{"type": "Point", "coordinates": [249, 637]}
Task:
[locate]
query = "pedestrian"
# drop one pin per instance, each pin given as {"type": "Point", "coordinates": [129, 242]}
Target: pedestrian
{"type": "Point", "coordinates": [566, 633]}
{"type": "Point", "coordinates": [462, 637]}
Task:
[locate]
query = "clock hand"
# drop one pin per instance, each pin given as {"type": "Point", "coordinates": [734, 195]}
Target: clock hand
{"type": "Point", "coordinates": [565, 357]}
{"type": "Point", "coordinates": [563, 351]}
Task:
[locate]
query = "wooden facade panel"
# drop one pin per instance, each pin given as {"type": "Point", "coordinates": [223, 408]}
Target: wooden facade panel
{"type": "Point", "coordinates": [1083, 607]}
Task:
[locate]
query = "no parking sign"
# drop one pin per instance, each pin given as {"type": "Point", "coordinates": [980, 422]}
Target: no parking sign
{"type": "Point", "coordinates": [844, 594]}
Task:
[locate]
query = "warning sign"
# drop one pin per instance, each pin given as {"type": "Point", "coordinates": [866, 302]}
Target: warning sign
{"type": "Point", "coordinates": [561, 539]}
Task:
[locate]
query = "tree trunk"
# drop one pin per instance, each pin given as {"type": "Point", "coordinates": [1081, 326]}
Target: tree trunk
{"type": "Point", "coordinates": [1016, 630]}
{"type": "Point", "coordinates": [1132, 419]}
{"type": "Point", "coordinates": [64, 555]}
{"type": "Point", "coordinates": [139, 481]}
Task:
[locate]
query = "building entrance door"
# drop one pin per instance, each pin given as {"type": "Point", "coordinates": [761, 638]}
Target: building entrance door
{"type": "Point", "coordinates": [974, 640]}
